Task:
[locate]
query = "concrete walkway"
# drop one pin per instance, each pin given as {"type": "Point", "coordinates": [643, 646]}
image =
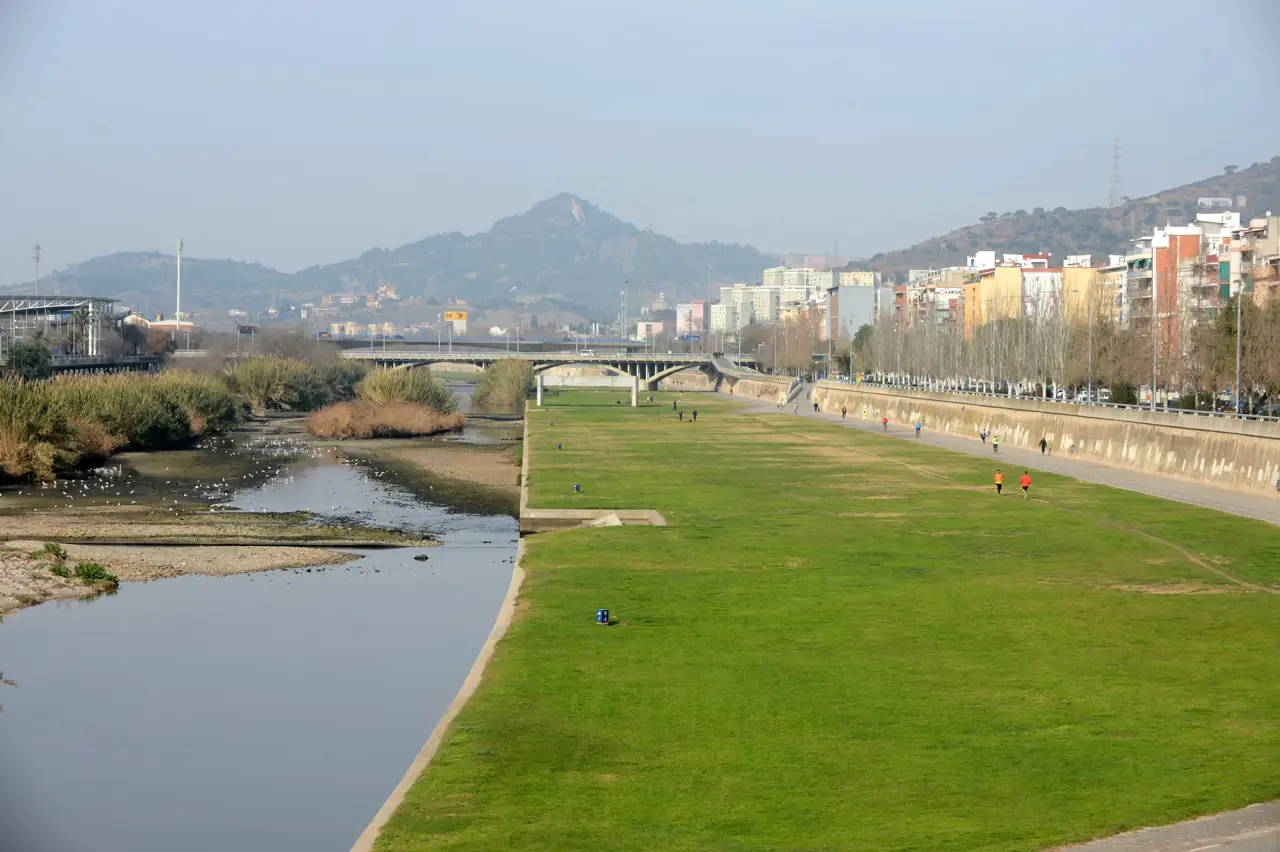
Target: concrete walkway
{"type": "Point", "coordinates": [1252, 829]}
{"type": "Point", "coordinates": [1013, 459]}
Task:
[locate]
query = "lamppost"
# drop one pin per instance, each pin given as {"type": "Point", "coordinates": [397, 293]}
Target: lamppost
{"type": "Point", "coordinates": [1155, 311]}
{"type": "Point", "coordinates": [1089, 322]}
{"type": "Point", "coordinates": [1239, 321]}
{"type": "Point", "coordinates": [177, 310]}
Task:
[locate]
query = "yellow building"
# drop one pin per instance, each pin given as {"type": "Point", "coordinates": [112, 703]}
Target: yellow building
{"type": "Point", "coordinates": [973, 315]}
{"type": "Point", "coordinates": [999, 294]}
{"type": "Point", "coordinates": [1080, 284]}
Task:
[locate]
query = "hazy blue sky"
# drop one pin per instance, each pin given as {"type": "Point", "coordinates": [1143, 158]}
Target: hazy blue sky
{"type": "Point", "coordinates": [302, 133]}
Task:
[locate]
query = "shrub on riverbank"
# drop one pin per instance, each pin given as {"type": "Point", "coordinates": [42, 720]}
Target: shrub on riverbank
{"type": "Point", "coordinates": [272, 382]}
{"type": "Point", "coordinates": [505, 385]}
{"type": "Point", "coordinates": [133, 410]}
{"type": "Point", "coordinates": [363, 419]}
{"type": "Point", "coordinates": [385, 386]}
{"type": "Point", "coordinates": [57, 424]}
{"type": "Point", "coordinates": [35, 436]}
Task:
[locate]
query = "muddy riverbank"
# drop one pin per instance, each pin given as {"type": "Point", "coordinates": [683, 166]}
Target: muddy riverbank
{"type": "Point", "coordinates": [167, 514]}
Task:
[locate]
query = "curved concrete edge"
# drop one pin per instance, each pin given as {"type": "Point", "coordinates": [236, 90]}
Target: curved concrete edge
{"type": "Point", "coordinates": [366, 840]}
{"type": "Point", "coordinates": [1255, 828]}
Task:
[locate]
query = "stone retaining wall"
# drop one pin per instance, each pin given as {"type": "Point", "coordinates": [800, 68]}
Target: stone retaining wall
{"type": "Point", "coordinates": [1239, 454]}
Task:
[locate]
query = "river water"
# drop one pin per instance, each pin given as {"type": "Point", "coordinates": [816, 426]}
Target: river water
{"type": "Point", "coordinates": [271, 711]}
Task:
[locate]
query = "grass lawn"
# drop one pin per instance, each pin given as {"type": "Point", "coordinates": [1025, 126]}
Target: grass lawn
{"type": "Point", "coordinates": [847, 641]}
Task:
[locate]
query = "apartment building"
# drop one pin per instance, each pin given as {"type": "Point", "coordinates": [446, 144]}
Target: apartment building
{"type": "Point", "coordinates": [1257, 253]}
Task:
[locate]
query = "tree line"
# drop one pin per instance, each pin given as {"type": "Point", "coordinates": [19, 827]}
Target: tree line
{"type": "Point", "coordinates": [1193, 358]}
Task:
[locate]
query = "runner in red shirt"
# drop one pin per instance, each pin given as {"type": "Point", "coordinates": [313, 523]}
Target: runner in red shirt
{"type": "Point", "coordinates": [884, 421]}
{"type": "Point", "coordinates": [1025, 482]}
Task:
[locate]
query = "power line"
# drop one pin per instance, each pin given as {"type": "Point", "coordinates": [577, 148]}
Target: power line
{"type": "Point", "coordinates": [1115, 173]}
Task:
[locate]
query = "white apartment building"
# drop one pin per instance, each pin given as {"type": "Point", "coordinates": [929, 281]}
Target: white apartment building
{"type": "Point", "coordinates": [726, 319]}
{"type": "Point", "coordinates": [753, 303]}
{"type": "Point", "coordinates": [859, 278]}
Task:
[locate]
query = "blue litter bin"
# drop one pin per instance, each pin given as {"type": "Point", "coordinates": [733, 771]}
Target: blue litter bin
{"type": "Point", "coordinates": [558, 447]}
{"type": "Point", "coordinates": [576, 488]}
{"type": "Point", "coordinates": [602, 616]}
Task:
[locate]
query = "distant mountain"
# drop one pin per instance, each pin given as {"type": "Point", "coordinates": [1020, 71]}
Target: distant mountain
{"type": "Point", "coordinates": [563, 248]}
{"type": "Point", "coordinates": [1095, 230]}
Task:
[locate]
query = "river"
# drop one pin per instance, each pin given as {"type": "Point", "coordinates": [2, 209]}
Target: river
{"type": "Point", "coordinates": [271, 711]}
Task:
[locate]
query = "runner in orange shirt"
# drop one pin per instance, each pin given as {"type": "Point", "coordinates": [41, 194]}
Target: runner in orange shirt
{"type": "Point", "coordinates": [999, 483]}
{"type": "Point", "coordinates": [1025, 482]}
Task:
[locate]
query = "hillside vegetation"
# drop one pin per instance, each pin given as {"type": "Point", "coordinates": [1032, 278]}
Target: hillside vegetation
{"type": "Point", "coordinates": [564, 247]}
{"type": "Point", "coordinates": [1093, 230]}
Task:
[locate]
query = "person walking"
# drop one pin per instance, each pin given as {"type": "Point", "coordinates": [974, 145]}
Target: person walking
{"type": "Point", "coordinates": [796, 410]}
{"type": "Point", "coordinates": [1025, 482]}
{"type": "Point", "coordinates": [675, 404]}
{"type": "Point", "coordinates": [864, 415]}
{"type": "Point", "coordinates": [884, 421]}
{"type": "Point", "coordinates": [681, 415]}
{"type": "Point", "coordinates": [844, 412]}
{"type": "Point", "coordinates": [918, 425]}
{"type": "Point", "coordinates": [695, 415]}
{"type": "Point", "coordinates": [995, 443]}
{"type": "Point", "coordinates": [983, 435]}
{"type": "Point", "coordinates": [1044, 445]}
{"type": "Point", "coordinates": [999, 482]}
{"type": "Point", "coordinates": [815, 408]}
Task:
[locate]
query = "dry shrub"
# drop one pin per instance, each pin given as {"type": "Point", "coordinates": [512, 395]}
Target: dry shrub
{"type": "Point", "coordinates": [388, 420]}
{"type": "Point", "coordinates": [35, 438]}
{"type": "Point", "coordinates": [92, 443]}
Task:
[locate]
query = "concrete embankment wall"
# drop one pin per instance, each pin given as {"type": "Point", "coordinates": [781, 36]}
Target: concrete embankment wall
{"type": "Point", "coordinates": [1238, 454]}
{"type": "Point", "coordinates": [762, 387]}
{"type": "Point", "coordinates": [687, 380]}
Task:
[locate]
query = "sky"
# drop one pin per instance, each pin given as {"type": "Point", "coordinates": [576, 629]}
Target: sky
{"type": "Point", "coordinates": [295, 134]}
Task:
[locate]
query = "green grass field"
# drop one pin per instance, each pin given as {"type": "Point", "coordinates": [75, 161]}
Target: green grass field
{"type": "Point", "coordinates": [847, 642]}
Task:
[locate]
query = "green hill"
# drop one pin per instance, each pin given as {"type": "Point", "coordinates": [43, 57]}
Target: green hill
{"type": "Point", "coordinates": [563, 247]}
{"type": "Point", "coordinates": [1094, 230]}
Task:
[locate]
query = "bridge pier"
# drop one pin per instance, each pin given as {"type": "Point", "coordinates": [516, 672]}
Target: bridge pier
{"type": "Point", "coordinates": [540, 385]}
{"type": "Point", "coordinates": [635, 391]}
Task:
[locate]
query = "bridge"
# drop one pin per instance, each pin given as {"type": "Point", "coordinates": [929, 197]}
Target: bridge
{"type": "Point", "coordinates": [649, 369]}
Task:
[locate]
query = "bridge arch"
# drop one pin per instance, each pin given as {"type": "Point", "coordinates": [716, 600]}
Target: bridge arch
{"type": "Point", "coordinates": [652, 381]}
{"type": "Point", "coordinates": [617, 371]}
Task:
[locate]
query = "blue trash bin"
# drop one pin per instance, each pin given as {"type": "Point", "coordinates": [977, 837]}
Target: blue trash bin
{"type": "Point", "coordinates": [576, 488]}
{"type": "Point", "coordinates": [602, 616]}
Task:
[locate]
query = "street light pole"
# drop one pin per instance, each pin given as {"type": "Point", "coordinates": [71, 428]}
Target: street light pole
{"type": "Point", "coordinates": [1239, 318]}
{"type": "Point", "coordinates": [1090, 322]}
{"type": "Point", "coordinates": [36, 254]}
{"type": "Point", "coordinates": [1155, 316]}
{"type": "Point", "coordinates": [177, 310]}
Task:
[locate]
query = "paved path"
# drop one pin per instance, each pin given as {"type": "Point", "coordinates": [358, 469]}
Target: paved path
{"type": "Point", "coordinates": [1264, 508]}
{"type": "Point", "coordinates": [1252, 829]}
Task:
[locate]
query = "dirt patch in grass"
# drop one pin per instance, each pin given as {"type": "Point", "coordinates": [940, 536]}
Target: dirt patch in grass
{"type": "Point", "coordinates": [1176, 589]}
